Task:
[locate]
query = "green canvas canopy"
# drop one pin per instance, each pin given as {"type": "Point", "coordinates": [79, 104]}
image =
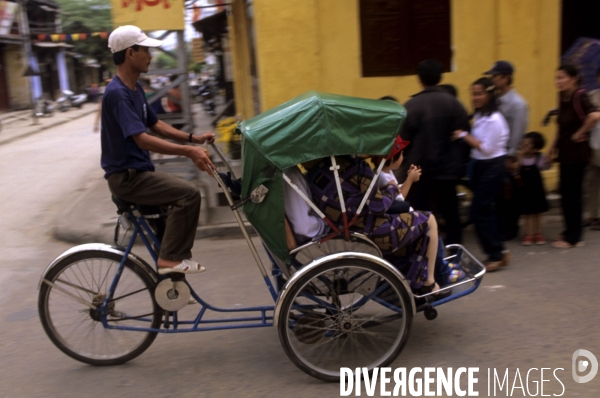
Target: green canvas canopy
{"type": "Point", "coordinates": [311, 126]}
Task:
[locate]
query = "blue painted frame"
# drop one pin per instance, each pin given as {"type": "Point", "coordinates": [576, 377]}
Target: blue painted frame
{"type": "Point", "coordinates": [264, 314]}
{"type": "Point", "coordinates": [143, 230]}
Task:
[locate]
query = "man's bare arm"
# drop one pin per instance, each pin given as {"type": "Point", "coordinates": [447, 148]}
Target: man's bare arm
{"type": "Point", "coordinates": [167, 131]}
{"type": "Point", "coordinates": [197, 154]}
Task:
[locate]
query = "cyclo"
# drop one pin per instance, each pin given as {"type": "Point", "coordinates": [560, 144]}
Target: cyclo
{"type": "Point", "coordinates": [341, 303]}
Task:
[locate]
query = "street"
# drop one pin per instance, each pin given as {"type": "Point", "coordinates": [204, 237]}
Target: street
{"type": "Point", "coordinates": [533, 314]}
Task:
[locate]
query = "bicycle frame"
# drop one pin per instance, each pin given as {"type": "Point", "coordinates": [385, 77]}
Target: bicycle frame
{"type": "Point", "coordinates": [142, 229]}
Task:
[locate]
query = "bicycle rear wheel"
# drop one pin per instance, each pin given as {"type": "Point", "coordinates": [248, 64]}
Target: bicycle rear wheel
{"type": "Point", "coordinates": [346, 313]}
{"type": "Point", "coordinates": [76, 327]}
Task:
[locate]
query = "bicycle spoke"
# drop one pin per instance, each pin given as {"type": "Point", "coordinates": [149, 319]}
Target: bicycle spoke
{"type": "Point", "coordinates": [72, 301]}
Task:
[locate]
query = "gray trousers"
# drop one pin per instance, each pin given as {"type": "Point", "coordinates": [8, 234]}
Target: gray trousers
{"type": "Point", "coordinates": [165, 190]}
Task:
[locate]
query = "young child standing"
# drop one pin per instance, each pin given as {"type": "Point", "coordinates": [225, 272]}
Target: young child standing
{"type": "Point", "coordinates": [532, 197]}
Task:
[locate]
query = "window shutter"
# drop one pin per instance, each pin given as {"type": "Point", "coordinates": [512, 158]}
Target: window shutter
{"type": "Point", "coordinates": [398, 34]}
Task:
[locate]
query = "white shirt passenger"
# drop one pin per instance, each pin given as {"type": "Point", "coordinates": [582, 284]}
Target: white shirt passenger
{"type": "Point", "coordinates": [304, 222]}
{"type": "Point", "coordinates": [493, 133]}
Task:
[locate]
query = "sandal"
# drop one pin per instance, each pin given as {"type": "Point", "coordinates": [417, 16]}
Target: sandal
{"type": "Point", "coordinates": [185, 267]}
{"type": "Point", "coordinates": [559, 238]}
{"type": "Point", "coordinates": [561, 244]}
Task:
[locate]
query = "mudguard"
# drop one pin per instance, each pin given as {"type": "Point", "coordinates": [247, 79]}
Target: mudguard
{"type": "Point", "coordinates": [100, 247]}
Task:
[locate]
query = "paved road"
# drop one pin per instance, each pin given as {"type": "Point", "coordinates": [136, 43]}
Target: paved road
{"type": "Point", "coordinates": [534, 314]}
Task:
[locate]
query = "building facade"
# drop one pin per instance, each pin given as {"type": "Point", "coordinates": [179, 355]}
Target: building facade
{"type": "Point", "coordinates": [369, 48]}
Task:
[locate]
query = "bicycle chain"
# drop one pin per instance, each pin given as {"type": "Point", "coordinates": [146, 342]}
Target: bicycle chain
{"type": "Point", "coordinates": [127, 295]}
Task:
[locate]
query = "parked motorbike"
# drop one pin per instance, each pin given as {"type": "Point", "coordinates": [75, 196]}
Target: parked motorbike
{"type": "Point", "coordinates": [78, 100]}
{"type": "Point", "coordinates": [43, 107]}
{"type": "Point", "coordinates": [70, 99]}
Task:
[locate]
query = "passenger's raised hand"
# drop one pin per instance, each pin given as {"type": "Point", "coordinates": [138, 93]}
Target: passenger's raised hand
{"type": "Point", "coordinates": [414, 173]}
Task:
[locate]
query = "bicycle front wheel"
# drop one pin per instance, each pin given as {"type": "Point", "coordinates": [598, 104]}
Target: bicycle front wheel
{"type": "Point", "coordinates": [70, 301]}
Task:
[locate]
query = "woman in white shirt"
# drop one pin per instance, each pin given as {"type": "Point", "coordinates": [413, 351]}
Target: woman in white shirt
{"type": "Point", "coordinates": [488, 138]}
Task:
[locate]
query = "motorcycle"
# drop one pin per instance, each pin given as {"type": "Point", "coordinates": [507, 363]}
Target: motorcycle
{"type": "Point", "coordinates": [43, 107]}
{"type": "Point", "coordinates": [69, 99]}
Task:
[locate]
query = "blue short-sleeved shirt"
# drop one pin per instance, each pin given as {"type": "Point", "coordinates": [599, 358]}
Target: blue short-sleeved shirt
{"type": "Point", "coordinates": [125, 113]}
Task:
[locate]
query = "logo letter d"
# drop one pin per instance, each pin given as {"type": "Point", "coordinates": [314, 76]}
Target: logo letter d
{"type": "Point", "coordinates": [593, 369]}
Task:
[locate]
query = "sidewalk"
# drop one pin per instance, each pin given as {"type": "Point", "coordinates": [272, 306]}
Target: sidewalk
{"type": "Point", "coordinates": [19, 124]}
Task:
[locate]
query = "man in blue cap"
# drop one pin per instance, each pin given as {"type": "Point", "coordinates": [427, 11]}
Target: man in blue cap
{"type": "Point", "coordinates": [515, 110]}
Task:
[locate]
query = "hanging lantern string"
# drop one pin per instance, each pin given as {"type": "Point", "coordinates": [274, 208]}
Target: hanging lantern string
{"type": "Point", "coordinates": [70, 37]}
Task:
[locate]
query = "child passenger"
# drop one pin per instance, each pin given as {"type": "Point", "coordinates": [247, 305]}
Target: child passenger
{"type": "Point", "coordinates": [532, 198]}
{"type": "Point", "coordinates": [387, 177]}
{"type": "Point", "coordinates": [445, 273]}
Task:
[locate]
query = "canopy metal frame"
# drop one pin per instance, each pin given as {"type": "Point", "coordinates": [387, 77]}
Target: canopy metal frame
{"type": "Point", "coordinates": [338, 184]}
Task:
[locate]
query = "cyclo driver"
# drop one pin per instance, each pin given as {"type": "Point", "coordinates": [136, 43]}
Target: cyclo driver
{"type": "Point", "coordinates": [126, 116]}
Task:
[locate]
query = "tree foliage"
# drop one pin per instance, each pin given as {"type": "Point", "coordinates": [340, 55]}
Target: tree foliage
{"type": "Point", "coordinates": [164, 61]}
{"type": "Point", "coordinates": [87, 16]}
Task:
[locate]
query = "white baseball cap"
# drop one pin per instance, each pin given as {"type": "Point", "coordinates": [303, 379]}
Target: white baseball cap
{"type": "Point", "coordinates": [127, 36]}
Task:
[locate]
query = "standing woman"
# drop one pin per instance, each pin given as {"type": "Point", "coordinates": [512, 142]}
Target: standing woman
{"type": "Point", "coordinates": [488, 138]}
{"type": "Point", "coordinates": [576, 117]}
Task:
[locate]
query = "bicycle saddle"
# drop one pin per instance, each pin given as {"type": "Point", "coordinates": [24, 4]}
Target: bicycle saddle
{"type": "Point", "coordinates": [147, 210]}
{"type": "Point", "coordinates": [122, 205]}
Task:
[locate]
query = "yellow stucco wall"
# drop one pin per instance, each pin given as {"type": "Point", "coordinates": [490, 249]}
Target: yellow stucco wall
{"type": "Point", "coordinates": [306, 45]}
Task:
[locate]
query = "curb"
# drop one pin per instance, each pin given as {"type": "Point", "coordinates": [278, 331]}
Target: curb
{"type": "Point", "coordinates": [105, 233]}
{"type": "Point", "coordinates": [223, 230]}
